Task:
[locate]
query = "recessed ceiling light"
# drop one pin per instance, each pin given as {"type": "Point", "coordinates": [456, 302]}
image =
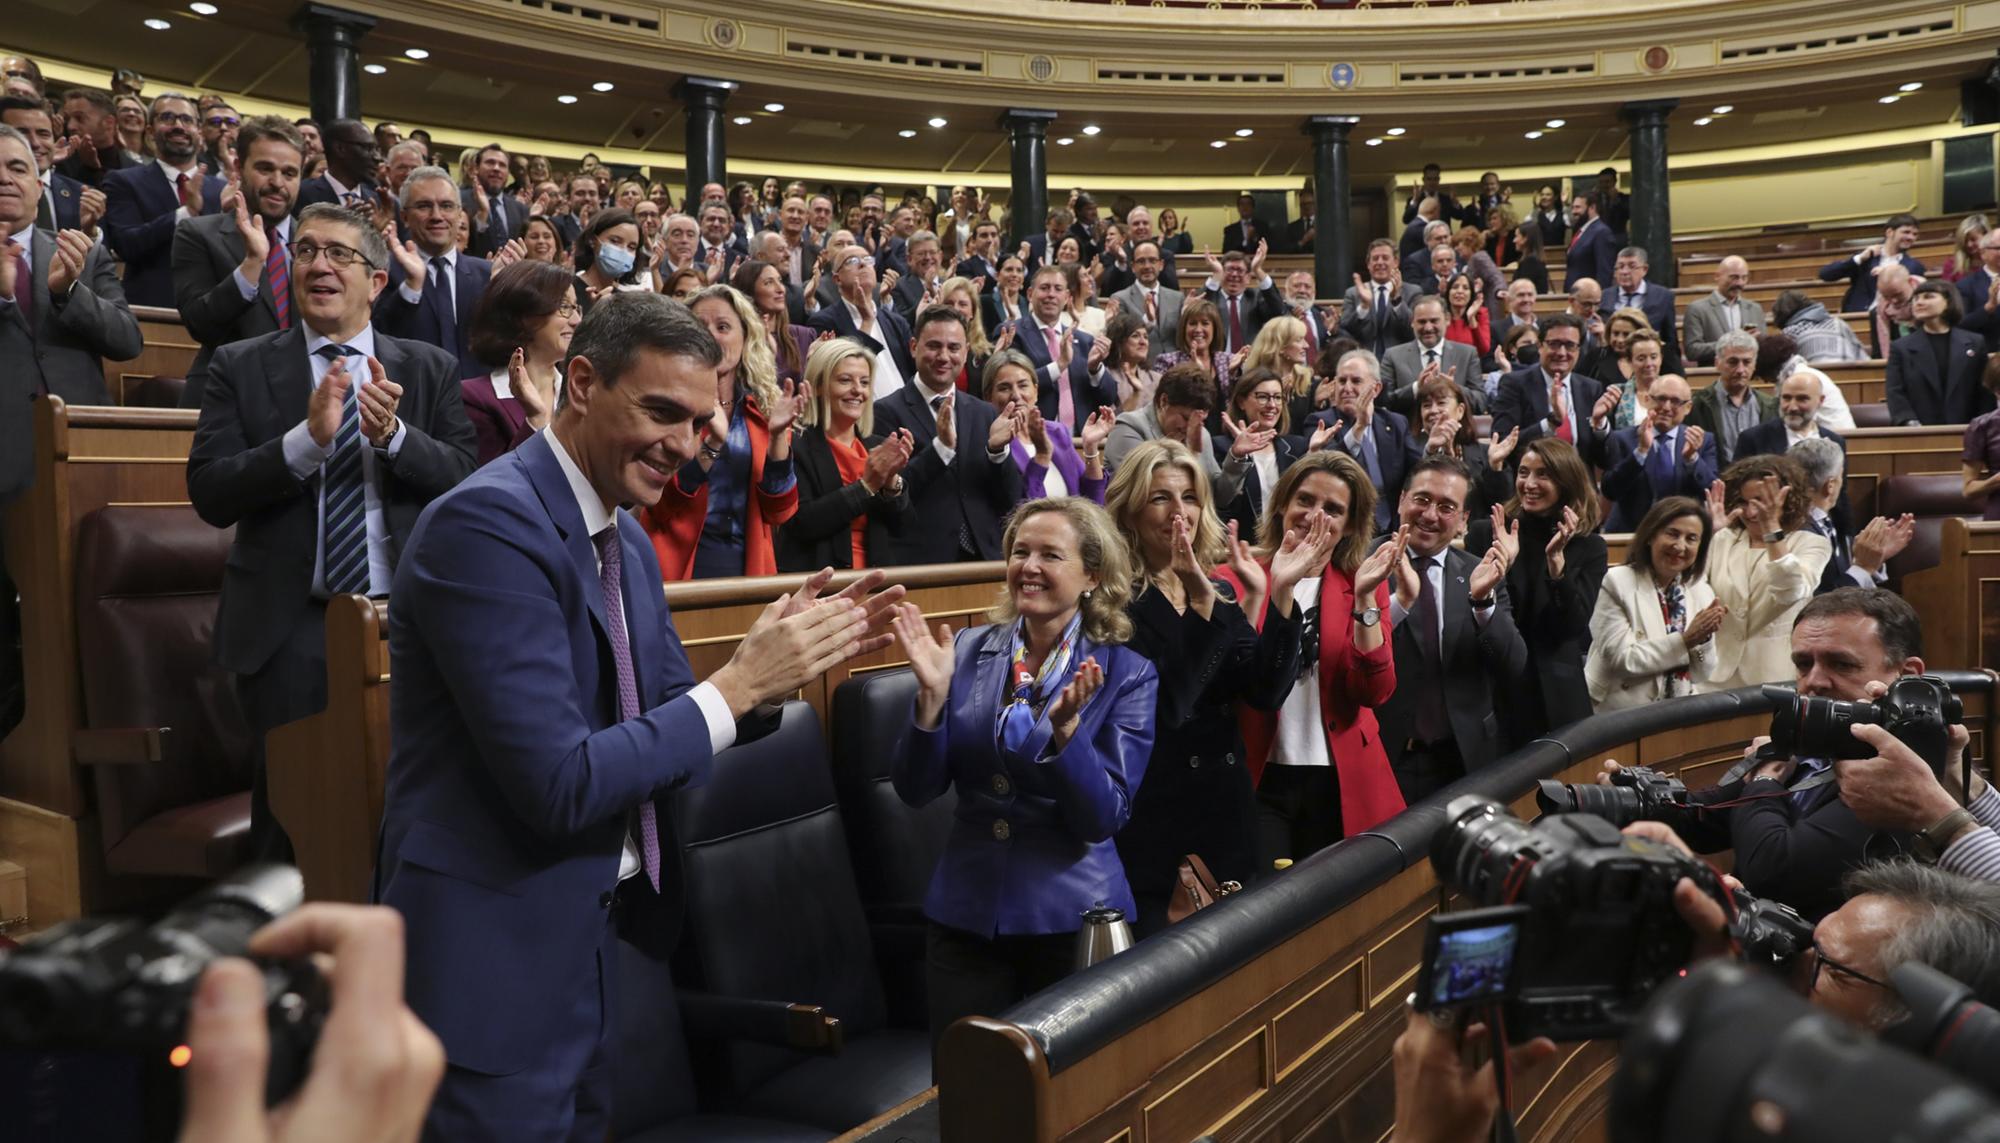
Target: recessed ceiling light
{"type": "Point", "coordinates": [1534, 135]}
{"type": "Point", "coordinates": [1062, 142]}
{"type": "Point", "coordinates": [1220, 143]}
{"type": "Point", "coordinates": [565, 99]}
{"type": "Point", "coordinates": [1555, 123]}
{"type": "Point", "coordinates": [774, 108]}
{"type": "Point", "coordinates": [603, 85]}
{"type": "Point", "coordinates": [907, 133]}
{"type": "Point", "coordinates": [1374, 142]}
{"type": "Point", "coordinates": [741, 121]}
{"type": "Point", "coordinates": [158, 25]}
{"type": "Point", "coordinates": [1091, 128]}
{"type": "Point", "coordinates": [416, 53]}
{"type": "Point", "coordinates": [1725, 109]}
{"type": "Point", "coordinates": [937, 120]}
{"type": "Point", "coordinates": [202, 8]}
{"type": "Point", "coordinates": [1395, 132]}
{"type": "Point", "coordinates": [375, 69]}
{"type": "Point", "coordinates": [1703, 121]}
{"type": "Point", "coordinates": [1911, 86]}
{"type": "Point", "coordinates": [1889, 99]}
{"type": "Point", "coordinates": [1244, 132]}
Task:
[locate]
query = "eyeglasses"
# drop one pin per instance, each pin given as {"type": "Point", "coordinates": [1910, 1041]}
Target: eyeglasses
{"type": "Point", "coordinates": [1822, 961]}
{"type": "Point", "coordinates": [341, 257]}
{"type": "Point", "coordinates": [857, 261]}
{"type": "Point", "coordinates": [1266, 398]}
{"type": "Point", "coordinates": [1668, 402]}
{"type": "Point", "coordinates": [1423, 502]}
{"type": "Point", "coordinates": [175, 119]}
{"type": "Point", "coordinates": [1560, 346]}
{"type": "Point", "coordinates": [223, 121]}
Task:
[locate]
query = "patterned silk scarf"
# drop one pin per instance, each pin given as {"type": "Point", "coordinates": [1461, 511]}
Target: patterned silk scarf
{"type": "Point", "coordinates": [1673, 609]}
{"type": "Point", "coordinates": [1032, 691]}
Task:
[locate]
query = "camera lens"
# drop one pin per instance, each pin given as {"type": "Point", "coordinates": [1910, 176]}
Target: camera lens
{"type": "Point", "coordinates": [34, 994]}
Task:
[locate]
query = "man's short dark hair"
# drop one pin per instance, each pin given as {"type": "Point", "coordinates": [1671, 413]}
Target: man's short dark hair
{"type": "Point", "coordinates": [99, 99]}
{"type": "Point", "coordinates": [488, 149]}
{"type": "Point", "coordinates": [263, 128]}
{"type": "Point", "coordinates": [1231, 256]}
{"type": "Point", "coordinates": [1380, 243]}
{"type": "Point", "coordinates": [1787, 307]}
{"type": "Point", "coordinates": [1562, 321]}
{"type": "Point", "coordinates": [622, 325]}
{"type": "Point", "coordinates": [1432, 169]}
{"type": "Point", "coordinates": [1899, 221]}
{"type": "Point", "coordinates": [1440, 462]}
{"type": "Point", "coordinates": [1896, 622]}
{"type": "Point", "coordinates": [935, 314]}
{"type": "Point", "coordinates": [1186, 387]}
{"type": "Point", "coordinates": [1145, 242]}
{"type": "Point", "coordinates": [374, 249]}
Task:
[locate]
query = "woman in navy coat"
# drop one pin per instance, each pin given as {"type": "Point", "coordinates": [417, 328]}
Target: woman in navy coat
{"type": "Point", "coordinates": [1043, 721]}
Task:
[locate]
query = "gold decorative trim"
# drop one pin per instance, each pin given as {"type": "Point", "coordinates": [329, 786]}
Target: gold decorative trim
{"type": "Point", "coordinates": [725, 34]}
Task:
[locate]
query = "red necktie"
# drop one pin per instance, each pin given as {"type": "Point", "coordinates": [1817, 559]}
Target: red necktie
{"type": "Point", "coordinates": [277, 271]}
{"type": "Point", "coordinates": [1152, 307]}
{"type": "Point", "coordinates": [1564, 431]}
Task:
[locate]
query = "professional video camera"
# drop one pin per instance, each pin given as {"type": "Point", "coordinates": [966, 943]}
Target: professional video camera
{"type": "Point", "coordinates": [1599, 931]}
{"type": "Point", "coordinates": [1918, 710]}
{"type": "Point", "coordinates": [1732, 1054]}
{"type": "Point", "coordinates": [1946, 1023]}
{"type": "Point", "coordinates": [96, 1009]}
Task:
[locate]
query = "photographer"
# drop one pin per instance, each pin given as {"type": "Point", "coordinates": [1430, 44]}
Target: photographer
{"type": "Point", "coordinates": [376, 1064]}
{"type": "Point", "coordinates": [1794, 846]}
{"type": "Point", "coordinates": [1439, 1097]}
{"type": "Point", "coordinates": [1896, 790]}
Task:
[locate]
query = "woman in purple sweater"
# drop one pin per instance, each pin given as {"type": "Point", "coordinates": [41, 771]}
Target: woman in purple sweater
{"type": "Point", "coordinates": [1051, 463]}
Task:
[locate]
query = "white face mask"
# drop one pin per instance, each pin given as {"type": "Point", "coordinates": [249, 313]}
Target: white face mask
{"type": "Point", "coordinates": [615, 261]}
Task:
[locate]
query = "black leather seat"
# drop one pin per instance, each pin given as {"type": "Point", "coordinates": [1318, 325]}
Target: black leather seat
{"type": "Point", "coordinates": [1870, 416]}
{"type": "Point", "coordinates": [895, 847]}
{"type": "Point", "coordinates": [1931, 498]}
{"type": "Point", "coordinates": [773, 913]}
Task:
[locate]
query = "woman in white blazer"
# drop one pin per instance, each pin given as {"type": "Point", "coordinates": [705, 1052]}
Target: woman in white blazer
{"type": "Point", "coordinates": [1763, 568]}
{"type": "Point", "coordinates": [1652, 634]}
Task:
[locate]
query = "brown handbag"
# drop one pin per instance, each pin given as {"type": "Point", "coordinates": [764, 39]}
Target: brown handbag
{"type": "Point", "coordinates": [1196, 889]}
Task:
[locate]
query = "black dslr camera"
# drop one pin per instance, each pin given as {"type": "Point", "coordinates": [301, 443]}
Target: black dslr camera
{"type": "Point", "coordinates": [1600, 931]}
{"type": "Point", "coordinates": [1636, 793]}
{"type": "Point", "coordinates": [1919, 710]}
{"type": "Point", "coordinates": [93, 1013]}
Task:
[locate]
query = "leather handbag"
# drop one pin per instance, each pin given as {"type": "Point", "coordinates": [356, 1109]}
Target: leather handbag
{"type": "Point", "coordinates": [1196, 889]}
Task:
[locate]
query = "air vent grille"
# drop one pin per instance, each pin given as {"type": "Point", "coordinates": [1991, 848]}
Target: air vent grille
{"type": "Point", "coordinates": [1419, 76]}
{"type": "Point", "coordinates": [1138, 73]}
{"type": "Point", "coordinates": [932, 62]}
{"type": "Point", "coordinates": [601, 17]}
{"type": "Point", "coordinates": [1834, 43]}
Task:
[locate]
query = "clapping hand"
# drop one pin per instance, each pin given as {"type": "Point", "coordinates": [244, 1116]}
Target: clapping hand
{"type": "Point", "coordinates": [1607, 403]}
{"type": "Point", "coordinates": [1301, 554]}
{"type": "Point", "coordinates": [1322, 434]}
{"type": "Point", "coordinates": [1029, 422]}
{"type": "Point", "coordinates": [1444, 436]}
{"type": "Point", "coordinates": [1063, 713]}
{"type": "Point", "coordinates": [1691, 438]}
{"type": "Point", "coordinates": [1379, 564]}
{"type": "Point", "coordinates": [378, 400]}
{"type": "Point", "coordinates": [1500, 448]}
{"type": "Point", "coordinates": [328, 404]}
{"type": "Point", "coordinates": [1506, 537]}
{"type": "Point", "coordinates": [1705, 624]}
{"type": "Point", "coordinates": [1247, 440]}
{"type": "Point", "coordinates": [1214, 263]}
{"type": "Point", "coordinates": [1487, 576]}
{"type": "Point", "coordinates": [507, 255]}
{"type": "Point", "coordinates": [191, 196]}
{"type": "Point", "coordinates": [408, 257]}
{"type": "Point", "coordinates": [1363, 296]}
{"type": "Point", "coordinates": [1008, 425]}
{"type": "Point", "coordinates": [1647, 434]}
{"type": "Point", "coordinates": [1720, 515]}
{"type": "Point", "coordinates": [1187, 568]}
{"type": "Point", "coordinates": [90, 211]}
{"type": "Point", "coordinates": [1882, 540]}
{"type": "Point", "coordinates": [1096, 430]}
{"type": "Point", "coordinates": [887, 459]}
{"type": "Point", "coordinates": [1559, 543]}
{"type": "Point", "coordinates": [1243, 564]}
{"type": "Point", "coordinates": [931, 660]}
{"type": "Point", "coordinates": [71, 250]}
{"type": "Point", "coordinates": [525, 391]}
{"type": "Point", "coordinates": [790, 406]}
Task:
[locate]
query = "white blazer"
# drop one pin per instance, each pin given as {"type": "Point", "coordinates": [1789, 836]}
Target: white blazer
{"type": "Point", "coordinates": [1631, 650]}
{"type": "Point", "coordinates": [1763, 596]}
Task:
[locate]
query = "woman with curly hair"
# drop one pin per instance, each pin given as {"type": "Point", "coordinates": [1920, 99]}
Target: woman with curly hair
{"type": "Point", "coordinates": [1764, 565]}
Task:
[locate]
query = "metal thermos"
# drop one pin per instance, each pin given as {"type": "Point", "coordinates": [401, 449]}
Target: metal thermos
{"type": "Point", "coordinates": [1105, 933]}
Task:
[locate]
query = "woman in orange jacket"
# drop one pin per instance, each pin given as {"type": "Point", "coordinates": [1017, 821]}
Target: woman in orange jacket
{"type": "Point", "coordinates": [1318, 762]}
{"type": "Point", "coordinates": [717, 514]}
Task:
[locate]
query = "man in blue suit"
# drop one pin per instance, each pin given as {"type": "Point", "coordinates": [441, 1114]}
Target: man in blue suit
{"type": "Point", "coordinates": [1629, 289]}
{"type": "Point", "coordinates": [1979, 300]}
{"type": "Point", "coordinates": [64, 204]}
{"type": "Point", "coordinates": [1378, 438]}
{"type": "Point", "coordinates": [1551, 399]}
{"type": "Point", "coordinates": [433, 289]}
{"type": "Point", "coordinates": [142, 205]}
{"type": "Point", "coordinates": [1071, 366]}
{"type": "Point", "coordinates": [1860, 270]}
{"type": "Point", "coordinates": [1657, 457]}
{"type": "Point", "coordinates": [1593, 252]}
{"type": "Point", "coordinates": [542, 702]}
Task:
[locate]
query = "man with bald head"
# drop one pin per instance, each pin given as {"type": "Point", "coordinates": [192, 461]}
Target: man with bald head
{"type": "Point", "coordinates": [1658, 457]}
{"type": "Point", "coordinates": [1585, 296]}
{"type": "Point", "coordinates": [1139, 228]}
{"type": "Point", "coordinates": [1889, 317]}
{"type": "Point", "coordinates": [1724, 310]}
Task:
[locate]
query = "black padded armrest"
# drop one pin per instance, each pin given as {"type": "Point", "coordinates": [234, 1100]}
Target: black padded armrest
{"type": "Point", "coordinates": [805, 1027]}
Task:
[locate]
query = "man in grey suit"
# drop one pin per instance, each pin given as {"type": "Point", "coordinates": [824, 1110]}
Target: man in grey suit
{"type": "Point", "coordinates": [1724, 311]}
{"type": "Point", "coordinates": [320, 444]}
{"type": "Point", "coordinates": [1453, 636]}
{"type": "Point", "coordinates": [62, 311]}
{"type": "Point", "coordinates": [1152, 299]}
{"type": "Point", "coordinates": [1405, 364]}
{"type": "Point", "coordinates": [232, 271]}
{"type": "Point", "coordinates": [1376, 312]}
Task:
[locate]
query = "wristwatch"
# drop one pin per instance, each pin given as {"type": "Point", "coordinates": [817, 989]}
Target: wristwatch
{"type": "Point", "coordinates": [1774, 537]}
{"type": "Point", "coordinates": [1369, 616]}
{"type": "Point", "coordinates": [1928, 844]}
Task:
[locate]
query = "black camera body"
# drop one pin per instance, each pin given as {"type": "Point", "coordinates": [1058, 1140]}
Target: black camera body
{"type": "Point", "coordinates": [1602, 932]}
{"type": "Point", "coordinates": [1918, 710]}
{"type": "Point", "coordinates": [1636, 793]}
{"type": "Point", "coordinates": [103, 1002]}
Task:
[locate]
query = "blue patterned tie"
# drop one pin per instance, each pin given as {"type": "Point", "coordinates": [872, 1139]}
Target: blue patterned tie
{"type": "Point", "coordinates": [344, 528]}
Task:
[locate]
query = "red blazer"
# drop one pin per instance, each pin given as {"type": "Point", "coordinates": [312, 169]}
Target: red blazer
{"type": "Point", "coordinates": [675, 522]}
{"type": "Point", "coordinates": [1351, 684]}
{"type": "Point", "coordinates": [1478, 335]}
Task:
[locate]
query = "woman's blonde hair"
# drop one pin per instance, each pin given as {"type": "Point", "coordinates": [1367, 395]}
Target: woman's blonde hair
{"type": "Point", "coordinates": [1133, 482]}
{"type": "Point", "coordinates": [1267, 351]}
{"type": "Point", "coordinates": [825, 357]}
{"type": "Point", "coordinates": [1633, 314]}
{"type": "Point", "coordinates": [1358, 531]}
{"type": "Point", "coordinates": [976, 342]}
{"type": "Point", "coordinates": [758, 369]}
{"type": "Point", "coordinates": [1103, 553]}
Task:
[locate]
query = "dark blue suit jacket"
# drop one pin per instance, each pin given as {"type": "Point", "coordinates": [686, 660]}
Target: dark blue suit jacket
{"type": "Point", "coordinates": [1657, 303]}
{"type": "Point", "coordinates": [1594, 256]}
{"type": "Point", "coordinates": [1062, 810]}
{"type": "Point", "coordinates": [1972, 292]}
{"type": "Point", "coordinates": [1523, 400]}
{"type": "Point", "coordinates": [1860, 277]}
{"type": "Point", "coordinates": [139, 208]}
{"type": "Point", "coordinates": [1085, 394]}
{"type": "Point", "coordinates": [1634, 487]}
{"type": "Point", "coordinates": [512, 780]}
{"type": "Point", "coordinates": [317, 189]}
{"type": "Point", "coordinates": [1396, 451]}
{"type": "Point", "coordinates": [836, 318]}
{"type": "Point", "coordinates": [68, 195]}
{"type": "Point", "coordinates": [422, 322]}
{"type": "Point", "coordinates": [972, 493]}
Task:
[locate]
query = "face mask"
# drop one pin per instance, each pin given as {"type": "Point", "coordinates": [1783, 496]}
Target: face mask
{"type": "Point", "coordinates": [615, 261]}
{"type": "Point", "coordinates": [1529, 355]}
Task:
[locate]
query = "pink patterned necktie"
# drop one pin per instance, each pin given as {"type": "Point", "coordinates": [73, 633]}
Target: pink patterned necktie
{"type": "Point", "coordinates": [611, 559]}
{"type": "Point", "coordinates": [1065, 400]}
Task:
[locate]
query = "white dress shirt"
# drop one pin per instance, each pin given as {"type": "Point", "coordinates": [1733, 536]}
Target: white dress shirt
{"type": "Point", "coordinates": [888, 376]}
{"type": "Point", "coordinates": [714, 709]}
{"type": "Point", "coordinates": [1301, 737]}
{"type": "Point", "coordinates": [304, 455]}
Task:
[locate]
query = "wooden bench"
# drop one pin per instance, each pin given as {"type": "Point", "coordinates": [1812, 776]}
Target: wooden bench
{"type": "Point", "coordinates": [327, 770]}
{"type": "Point", "coordinates": [1875, 453]}
{"type": "Point", "coordinates": [86, 457]}
{"type": "Point", "coordinates": [1861, 382]}
{"type": "Point", "coordinates": [1959, 600]}
{"type": "Point", "coordinates": [1827, 237]}
{"type": "Point", "coordinates": [1700, 268]}
{"type": "Point", "coordinates": [169, 352]}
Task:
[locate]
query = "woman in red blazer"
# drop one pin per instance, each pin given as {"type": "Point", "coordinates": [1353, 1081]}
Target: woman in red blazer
{"type": "Point", "coordinates": [1318, 762]}
{"type": "Point", "coordinates": [716, 516]}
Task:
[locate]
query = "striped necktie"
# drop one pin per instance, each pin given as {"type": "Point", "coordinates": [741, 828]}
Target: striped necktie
{"type": "Point", "coordinates": [278, 272]}
{"type": "Point", "coordinates": [344, 523]}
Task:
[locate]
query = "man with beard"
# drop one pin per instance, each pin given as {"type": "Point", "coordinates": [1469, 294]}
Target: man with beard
{"type": "Point", "coordinates": [494, 215]}
{"type": "Point", "coordinates": [232, 270]}
{"type": "Point", "coordinates": [142, 205]}
{"type": "Point", "coordinates": [351, 160]}
{"type": "Point", "coordinates": [433, 289]}
{"type": "Point", "coordinates": [94, 148]}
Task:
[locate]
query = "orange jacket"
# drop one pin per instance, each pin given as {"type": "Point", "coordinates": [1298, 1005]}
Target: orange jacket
{"type": "Point", "coordinates": [675, 522]}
